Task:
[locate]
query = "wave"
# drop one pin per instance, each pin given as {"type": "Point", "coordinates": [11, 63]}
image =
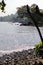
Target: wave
{"type": "Point", "coordinates": [16, 50]}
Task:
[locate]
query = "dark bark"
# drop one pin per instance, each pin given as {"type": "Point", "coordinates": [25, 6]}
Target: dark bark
{"type": "Point", "coordinates": [35, 23]}
{"type": "Point", "coordinates": [38, 12]}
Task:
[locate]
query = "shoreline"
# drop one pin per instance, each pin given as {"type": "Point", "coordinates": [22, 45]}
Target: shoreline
{"type": "Point", "coordinates": [24, 57]}
{"type": "Point", "coordinates": [3, 52]}
{"type": "Point", "coordinates": [40, 25]}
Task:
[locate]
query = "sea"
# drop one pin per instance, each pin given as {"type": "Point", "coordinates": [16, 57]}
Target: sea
{"type": "Point", "coordinates": [14, 37]}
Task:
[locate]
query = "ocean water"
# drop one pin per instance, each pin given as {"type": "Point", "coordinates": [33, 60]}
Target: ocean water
{"type": "Point", "coordinates": [16, 37]}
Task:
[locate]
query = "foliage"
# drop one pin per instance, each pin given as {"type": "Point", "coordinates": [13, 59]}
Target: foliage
{"type": "Point", "coordinates": [38, 47]}
{"type": "Point", "coordinates": [2, 5]}
{"type": "Point", "coordinates": [34, 9]}
{"type": "Point", "coordinates": [22, 11]}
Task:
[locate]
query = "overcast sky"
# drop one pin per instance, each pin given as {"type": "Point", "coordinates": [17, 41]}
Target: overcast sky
{"type": "Point", "coordinates": [11, 5]}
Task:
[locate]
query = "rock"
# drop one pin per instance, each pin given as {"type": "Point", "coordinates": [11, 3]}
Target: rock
{"type": "Point", "coordinates": [25, 57]}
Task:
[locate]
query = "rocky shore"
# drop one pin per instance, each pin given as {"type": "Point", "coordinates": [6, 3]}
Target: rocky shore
{"type": "Point", "coordinates": [25, 57]}
{"type": "Point", "coordinates": [30, 24]}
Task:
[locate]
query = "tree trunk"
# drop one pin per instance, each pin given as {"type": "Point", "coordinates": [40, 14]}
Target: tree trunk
{"type": "Point", "coordinates": [35, 23]}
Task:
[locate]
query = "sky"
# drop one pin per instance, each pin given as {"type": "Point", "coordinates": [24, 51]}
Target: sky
{"type": "Point", "coordinates": [11, 5]}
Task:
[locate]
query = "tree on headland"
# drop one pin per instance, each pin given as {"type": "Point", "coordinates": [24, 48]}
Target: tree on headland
{"type": "Point", "coordinates": [35, 23]}
{"type": "Point", "coordinates": [35, 11]}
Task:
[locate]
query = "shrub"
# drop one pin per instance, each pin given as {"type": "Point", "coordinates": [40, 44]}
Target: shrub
{"type": "Point", "coordinates": [37, 48]}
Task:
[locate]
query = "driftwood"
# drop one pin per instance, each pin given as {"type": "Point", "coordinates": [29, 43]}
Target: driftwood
{"type": "Point", "coordinates": [35, 23]}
